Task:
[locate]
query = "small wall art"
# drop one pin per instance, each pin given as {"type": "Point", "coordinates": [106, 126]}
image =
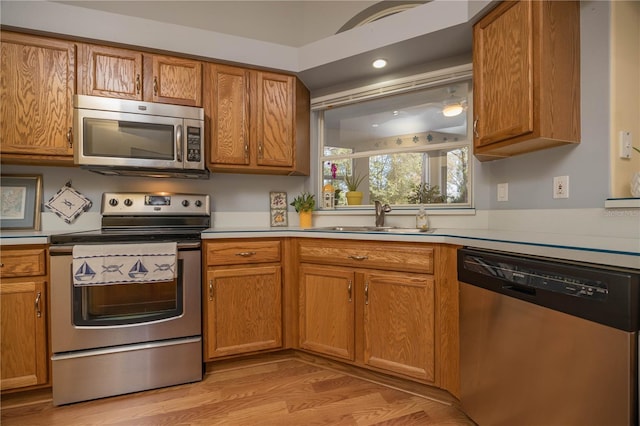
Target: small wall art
{"type": "Point", "coordinates": [20, 197]}
{"type": "Point", "coordinates": [278, 208]}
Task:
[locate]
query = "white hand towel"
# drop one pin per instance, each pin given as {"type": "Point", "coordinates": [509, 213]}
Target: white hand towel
{"type": "Point", "coordinates": [124, 263]}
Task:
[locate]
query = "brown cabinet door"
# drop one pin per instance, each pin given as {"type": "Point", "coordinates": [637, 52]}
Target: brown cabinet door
{"type": "Point", "coordinates": [174, 81]}
{"type": "Point", "coordinates": [327, 314]}
{"type": "Point", "coordinates": [503, 74]}
{"type": "Point", "coordinates": [274, 120]}
{"type": "Point", "coordinates": [23, 328]}
{"type": "Point", "coordinates": [37, 85]}
{"type": "Point", "coordinates": [110, 72]}
{"type": "Point", "coordinates": [243, 310]}
{"type": "Point", "coordinates": [229, 111]}
{"type": "Point", "coordinates": [399, 328]}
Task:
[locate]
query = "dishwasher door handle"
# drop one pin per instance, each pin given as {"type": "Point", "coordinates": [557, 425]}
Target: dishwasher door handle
{"type": "Point", "coordinates": [524, 291]}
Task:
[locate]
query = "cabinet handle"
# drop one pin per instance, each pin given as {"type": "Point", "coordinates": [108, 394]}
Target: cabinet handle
{"type": "Point", "coordinates": [260, 150]}
{"type": "Point", "coordinates": [475, 127]}
{"type": "Point", "coordinates": [366, 293]}
{"type": "Point", "coordinates": [70, 137]}
{"type": "Point", "coordinates": [155, 86]}
{"type": "Point", "coordinates": [210, 289]}
{"type": "Point", "coordinates": [246, 253]}
{"type": "Point", "coordinates": [349, 288]}
{"type": "Point", "coordinates": [1, 265]}
{"type": "Point", "coordinates": [356, 257]}
{"type": "Point", "coordinates": [246, 150]}
{"type": "Point", "coordinates": [37, 304]}
{"type": "Point", "coordinates": [138, 83]}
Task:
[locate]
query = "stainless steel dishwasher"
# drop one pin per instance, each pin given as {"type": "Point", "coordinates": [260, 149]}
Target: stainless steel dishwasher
{"type": "Point", "coordinates": [547, 342]}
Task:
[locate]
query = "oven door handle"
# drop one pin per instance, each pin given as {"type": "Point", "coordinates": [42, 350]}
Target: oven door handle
{"type": "Point", "coordinates": [68, 249]}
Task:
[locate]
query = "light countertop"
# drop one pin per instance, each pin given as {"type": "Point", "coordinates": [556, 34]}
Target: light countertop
{"type": "Point", "coordinates": [614, 251]}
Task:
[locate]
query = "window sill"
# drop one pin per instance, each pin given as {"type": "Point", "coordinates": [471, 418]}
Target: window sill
{"type": "Point", "coordinates": [397, 211]}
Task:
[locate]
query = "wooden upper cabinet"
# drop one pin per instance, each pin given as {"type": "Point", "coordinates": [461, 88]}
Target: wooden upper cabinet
{"type": "Point", "coordinates": [110, 72]}
{"type": "Point", "coordinates": [128, 74]}
{"type": "Point", "coordinates": [172, 80]}
{"type": "Point", "coordinates": [526, 72]}
{"type": "Point", "coordinates": [273, 112]}
{"type": "Point", "coordinates": [259, 121]}
{"type": "Point", "coordinates": [229, 112]}
{"type": "Point", "coordinates": [37, 85]}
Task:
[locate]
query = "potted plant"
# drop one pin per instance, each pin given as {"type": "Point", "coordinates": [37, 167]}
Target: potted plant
{"type": "Point", "coordinates": [304, 205]}
{"type": "Point", "coordinates": [353, 181]}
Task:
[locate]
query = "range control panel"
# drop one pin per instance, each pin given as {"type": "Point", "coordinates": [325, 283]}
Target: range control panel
{"type": "Point", "coordinates": [150, 204]}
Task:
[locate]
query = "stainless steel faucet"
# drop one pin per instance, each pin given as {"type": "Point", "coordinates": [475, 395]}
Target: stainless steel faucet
{"type": "Point", "coordinates": [380, 211]}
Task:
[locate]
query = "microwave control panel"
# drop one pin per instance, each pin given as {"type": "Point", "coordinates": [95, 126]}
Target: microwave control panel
{"type": "Point", "coordinates": [194, 144]}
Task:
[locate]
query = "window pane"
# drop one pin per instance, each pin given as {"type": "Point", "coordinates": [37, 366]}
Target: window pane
{"type": "Point", "coordinates": [408, 146]}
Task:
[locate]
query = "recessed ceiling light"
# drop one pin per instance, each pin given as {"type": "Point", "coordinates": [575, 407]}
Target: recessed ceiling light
{"type": "Point", "coordinates": [379, 63]}
{"type": "Point", "coordinates": [375, 125]}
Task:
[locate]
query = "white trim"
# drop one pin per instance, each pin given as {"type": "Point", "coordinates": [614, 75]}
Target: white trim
{"type": "Point", "coordinates": [400, 85]}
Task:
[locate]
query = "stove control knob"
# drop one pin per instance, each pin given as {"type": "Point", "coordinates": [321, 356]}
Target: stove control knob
{"type": "Point", "coordinates": [128, 202]}
{"type": "Point", "coordinates": [185, 203]}
{"type": "Point", "coordinates": [113, 202]}
{"type": "Point", "coordinates": [198, 203]}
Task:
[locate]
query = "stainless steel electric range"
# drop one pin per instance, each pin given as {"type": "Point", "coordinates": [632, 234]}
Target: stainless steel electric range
{"type": "Point", "coordinates": [137, 327]}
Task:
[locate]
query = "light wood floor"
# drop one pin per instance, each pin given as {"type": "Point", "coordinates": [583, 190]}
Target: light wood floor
{"type": "Point", "coordinates": [280, 392]}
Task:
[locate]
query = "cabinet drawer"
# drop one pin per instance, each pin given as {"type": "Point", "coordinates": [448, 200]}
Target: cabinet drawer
{"type": "Point", "coordinates": [242, 252]}
{"type": "Point", "coordinates": [22, 262]}
{"type": "Point", "coordinates": [375, 255]}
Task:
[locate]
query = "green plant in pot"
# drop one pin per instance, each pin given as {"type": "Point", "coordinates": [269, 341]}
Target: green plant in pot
{"type": "Point", "coordinates": [304, 205]}
{"type": "Point", "coordinates": [353, 181]}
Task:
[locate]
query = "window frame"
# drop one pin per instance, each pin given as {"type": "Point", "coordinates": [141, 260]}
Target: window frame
{"type": "Point", "coordinates": [461, 73]}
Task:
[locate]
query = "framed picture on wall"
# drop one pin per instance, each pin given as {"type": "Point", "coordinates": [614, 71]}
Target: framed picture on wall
{"type": "Point", "coordinates": [20, 199]}
{"type": "Point", "coordinates": [278, 208]}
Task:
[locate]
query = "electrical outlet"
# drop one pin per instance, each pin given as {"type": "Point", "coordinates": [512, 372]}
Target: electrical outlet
{"type": "Point", "coordinates": [503, 192]}
{"type": "Point", "coordinates": [561, 187]}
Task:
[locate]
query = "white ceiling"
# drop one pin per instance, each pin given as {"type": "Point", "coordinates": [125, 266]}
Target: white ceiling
{"type": "Point", "coordinates": [299, 23]}
{"type": "Point", "coordinates": [290, 23]}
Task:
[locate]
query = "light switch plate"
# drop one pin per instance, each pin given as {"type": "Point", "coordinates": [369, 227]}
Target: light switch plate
{"type": "Point", "coordinates": [625, 143]}
{"type": "Point", "coordinates": [503, 192]}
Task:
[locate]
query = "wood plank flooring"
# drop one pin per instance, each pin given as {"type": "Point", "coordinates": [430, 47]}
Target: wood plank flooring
{"type": "Point", "coordinates": [280, 392]}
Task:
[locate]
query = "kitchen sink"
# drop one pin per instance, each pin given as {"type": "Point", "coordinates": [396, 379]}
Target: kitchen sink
{"type": "Point", "coordinates": [389, 229]}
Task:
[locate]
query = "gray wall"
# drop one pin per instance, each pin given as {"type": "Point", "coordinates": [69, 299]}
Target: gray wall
{"type": "Point", "coordinates": [530, 176]}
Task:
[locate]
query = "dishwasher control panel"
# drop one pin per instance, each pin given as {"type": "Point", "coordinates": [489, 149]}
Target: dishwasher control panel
{"type": "Point", "coordinates": [532, 277]}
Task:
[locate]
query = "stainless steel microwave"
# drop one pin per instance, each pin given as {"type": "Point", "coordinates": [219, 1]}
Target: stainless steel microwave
{"type": "Point", "coordinates": [122, 137]}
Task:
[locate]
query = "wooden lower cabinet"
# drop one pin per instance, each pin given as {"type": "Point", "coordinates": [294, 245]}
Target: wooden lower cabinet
{"type": "Point", "coordinates": [399, 333]}
{"type": "Point", "coordinates": [242, 298]}
{"type": "Point", "coordinates": [23, 322]}
{"type": "Point", "coordinates": [327, 314]}
{"type": "Point", "coordinates": [358, 304]}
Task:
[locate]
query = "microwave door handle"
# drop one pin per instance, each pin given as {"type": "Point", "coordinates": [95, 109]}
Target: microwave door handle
{"type": "Point", "coordinates": [179, 143]}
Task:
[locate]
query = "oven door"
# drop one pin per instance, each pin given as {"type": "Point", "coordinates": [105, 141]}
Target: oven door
{"type": "Point", "coordinates": [103, 316]}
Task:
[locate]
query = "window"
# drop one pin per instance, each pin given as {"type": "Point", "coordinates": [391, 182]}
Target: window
{"type": "Point", "coordinates": [402, 146]}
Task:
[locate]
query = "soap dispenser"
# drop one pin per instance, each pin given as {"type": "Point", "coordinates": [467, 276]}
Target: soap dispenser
{"type": "Point", "coordinates": [422, 220]}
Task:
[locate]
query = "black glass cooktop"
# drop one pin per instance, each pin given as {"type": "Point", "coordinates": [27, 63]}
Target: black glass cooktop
{"type": "Point", "coordinates": [125, 236]}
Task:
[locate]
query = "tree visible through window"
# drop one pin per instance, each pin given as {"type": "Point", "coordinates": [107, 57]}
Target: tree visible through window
{"type": "Point", "coordinates": [409, 151]}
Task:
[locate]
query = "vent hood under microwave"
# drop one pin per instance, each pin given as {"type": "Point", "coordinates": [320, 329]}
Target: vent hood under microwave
{"type": "Point", "coordinates": [132, 138]}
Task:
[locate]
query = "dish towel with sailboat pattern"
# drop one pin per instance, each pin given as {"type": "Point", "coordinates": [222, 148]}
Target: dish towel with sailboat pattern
{"type": "Point", "coordinates": [124, 263]}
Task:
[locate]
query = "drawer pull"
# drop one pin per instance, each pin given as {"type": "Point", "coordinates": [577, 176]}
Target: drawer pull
{"type": "Point", "coordinates": [349, 289]}
{"type": "Point", "coordinates": [246, 253]}
{"type": "Point", "coordinates": [210, 290]}
{"type": "Point", "coordinates": [357, 257]}
{"type": "Point", "coordinates": [37, 304]}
